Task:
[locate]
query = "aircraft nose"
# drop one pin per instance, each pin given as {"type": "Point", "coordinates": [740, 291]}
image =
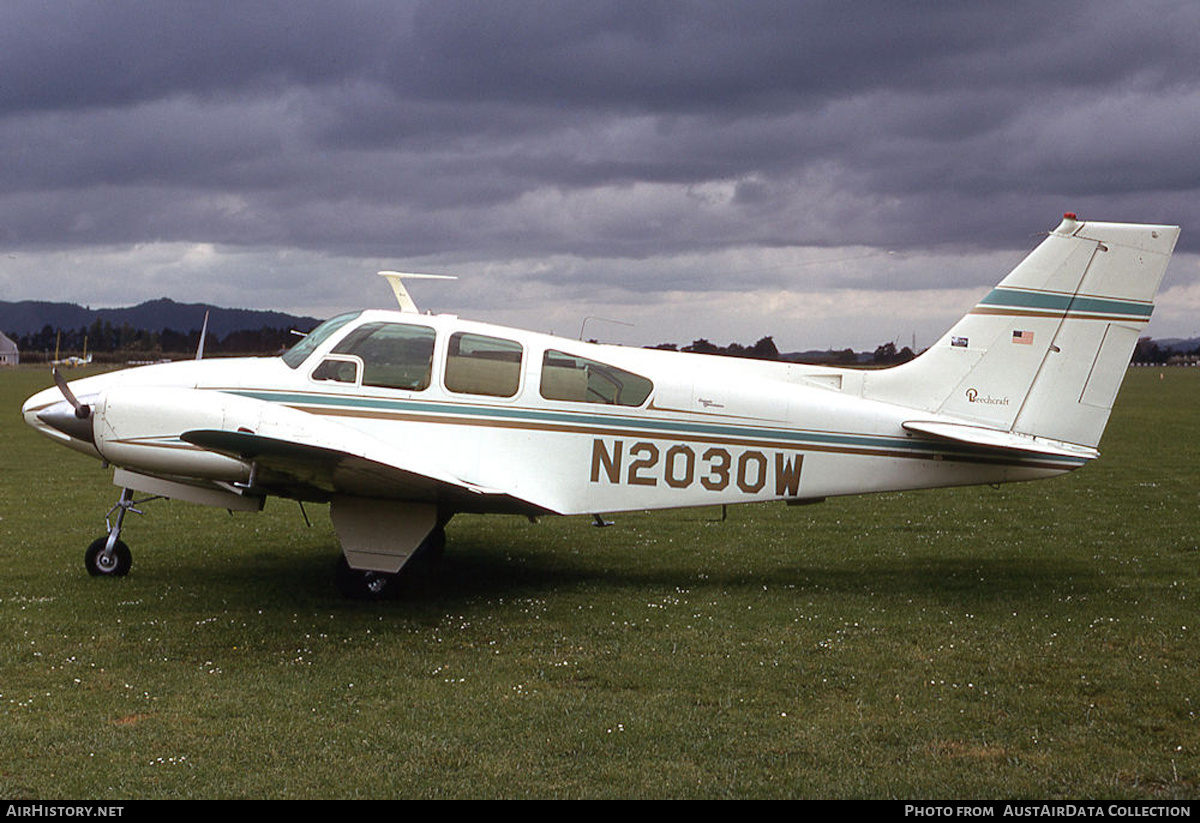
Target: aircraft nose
{"type": "Point", "coordinates": [71, 421]}
{"type": "Point", "coordinates": [38, 402]}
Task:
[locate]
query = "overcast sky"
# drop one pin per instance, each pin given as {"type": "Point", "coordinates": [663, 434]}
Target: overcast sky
{"type": "Point", "coordinates": [830, 173]}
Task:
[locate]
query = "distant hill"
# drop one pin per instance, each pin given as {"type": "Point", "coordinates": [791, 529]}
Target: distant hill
{"type": "Point", "coordinates": [1179, 343]}
{"type": "Point", "coordinates": [31, 316]}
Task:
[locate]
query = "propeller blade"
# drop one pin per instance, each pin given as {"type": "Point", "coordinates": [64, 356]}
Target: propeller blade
{"type": "Point", "coordinates": [71, 417]}
{"type": "Point", "coordinates": [81, 411]}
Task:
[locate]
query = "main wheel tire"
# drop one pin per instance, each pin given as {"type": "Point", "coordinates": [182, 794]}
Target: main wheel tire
{"type": "Point", "coordinates": [363, 585]}
{"type": "Point", "coordinates": [115, 565]}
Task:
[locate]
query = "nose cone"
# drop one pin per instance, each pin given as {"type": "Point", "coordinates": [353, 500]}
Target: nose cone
{"type": "Point", "coordinates": [51, 415]}
{"type": "Point", "coordinates": [35, 404]}
{"type": "Point", "coordinates": [71, 421]}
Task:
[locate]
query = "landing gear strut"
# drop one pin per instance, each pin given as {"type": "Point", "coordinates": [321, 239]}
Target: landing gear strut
{"type": "Point", "coordinates": [109, 556]}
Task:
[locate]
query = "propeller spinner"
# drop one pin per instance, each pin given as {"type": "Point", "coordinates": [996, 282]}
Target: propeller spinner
{"type": "Point", "coordinates": [71, 417]}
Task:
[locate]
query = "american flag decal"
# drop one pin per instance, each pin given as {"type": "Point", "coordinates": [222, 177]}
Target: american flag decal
{"type": "Point", "coordinates": [1025, 338]}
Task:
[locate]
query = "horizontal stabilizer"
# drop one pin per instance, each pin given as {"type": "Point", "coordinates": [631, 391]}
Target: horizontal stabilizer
{"type": "Point", "coordinates": [997, 439]}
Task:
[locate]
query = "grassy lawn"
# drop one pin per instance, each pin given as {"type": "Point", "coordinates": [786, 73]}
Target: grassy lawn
{"type": "Point", "coordinates": [1032, 641]}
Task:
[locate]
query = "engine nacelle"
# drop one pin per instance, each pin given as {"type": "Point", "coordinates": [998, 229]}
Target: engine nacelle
{"type": "Point", "coordinates": [139, 428]}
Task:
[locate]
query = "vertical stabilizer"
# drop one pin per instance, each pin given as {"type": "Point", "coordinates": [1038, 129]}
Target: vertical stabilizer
{"type": "Point", "coordinates": [1045, 351]}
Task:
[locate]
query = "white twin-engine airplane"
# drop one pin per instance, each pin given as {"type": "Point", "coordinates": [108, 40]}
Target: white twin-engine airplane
{"type": "Point", "coordinates": [399, 420]}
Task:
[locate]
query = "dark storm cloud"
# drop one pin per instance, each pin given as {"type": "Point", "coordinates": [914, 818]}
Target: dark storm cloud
{"type": "Point", "coordinates": [505, 129]}
{"type": "Point", "coordinates": [80, 55]}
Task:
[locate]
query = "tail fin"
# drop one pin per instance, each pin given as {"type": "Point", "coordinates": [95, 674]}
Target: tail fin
{"type": "Point", "coordinates": [1044, 353]}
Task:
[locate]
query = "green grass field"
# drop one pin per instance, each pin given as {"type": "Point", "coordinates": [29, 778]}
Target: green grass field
{"type": "Point", "coordinates": [1032, 641]}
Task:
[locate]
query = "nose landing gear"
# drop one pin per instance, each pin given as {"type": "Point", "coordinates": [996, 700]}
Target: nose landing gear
{"type": "Point", "coordinates": [109, 556]}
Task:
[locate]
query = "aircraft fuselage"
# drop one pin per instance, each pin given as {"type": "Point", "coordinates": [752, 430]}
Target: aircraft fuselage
{"type": "Point", "coordinates": [709, 429]}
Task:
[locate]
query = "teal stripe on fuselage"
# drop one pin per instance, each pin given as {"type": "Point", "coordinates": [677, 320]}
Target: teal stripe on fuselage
{"type": "Point", "coordinates": [642, 426]}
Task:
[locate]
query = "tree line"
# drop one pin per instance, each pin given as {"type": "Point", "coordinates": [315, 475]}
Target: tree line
{"type": "Point", "coordinates": [765, 349]}
{"type": "Point", "coordinates": [1148, 352]}
{"type": "Point", "coordinates": [109, 342]}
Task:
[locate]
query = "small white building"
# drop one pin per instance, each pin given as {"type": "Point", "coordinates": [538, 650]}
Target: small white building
{"type": "Point", "coordinates": [9, 356]}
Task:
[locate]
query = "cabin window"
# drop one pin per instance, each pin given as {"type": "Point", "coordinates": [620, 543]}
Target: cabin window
{"type": "Point", "coordinates": [298, 353]}
{"type": "Point", "coordinates": [478, 364]}
{"type": "Point", "coordinates": [337, 369]}
{"type": "Point", "coordinates": [394, 355]}
{"type": "Point", "coordinates": [567, 377]}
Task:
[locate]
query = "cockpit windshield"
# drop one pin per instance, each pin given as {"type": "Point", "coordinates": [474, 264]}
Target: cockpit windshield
{"type": "Point", "coordinates": [298, 353]}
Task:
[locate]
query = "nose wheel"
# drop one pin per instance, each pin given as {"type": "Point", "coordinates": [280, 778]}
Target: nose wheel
{"type": "Point", "coordinates": [103, 560]}
{"type": "Point", "coordinates": [109, 556]}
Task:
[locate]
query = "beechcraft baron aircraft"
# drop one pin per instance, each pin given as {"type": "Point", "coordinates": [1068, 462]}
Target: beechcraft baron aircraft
{"type": "Point", "coordinates": [399, 419]}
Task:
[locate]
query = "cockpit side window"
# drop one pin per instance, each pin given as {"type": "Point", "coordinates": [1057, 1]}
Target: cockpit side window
{"type": "Point", "coordinates": [478, 364]}
{"type": "Point", "coordinates": [339, 368]}
{"type": "Point", "coordinates": [394, 355]}
{"type": "Point", "coordinates": [578, 379]}
{"type": "Point", "coordinates": [298, 353]}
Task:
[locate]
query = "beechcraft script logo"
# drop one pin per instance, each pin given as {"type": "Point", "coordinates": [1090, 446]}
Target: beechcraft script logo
{"type": "Point", "coordinates": [973, 396]}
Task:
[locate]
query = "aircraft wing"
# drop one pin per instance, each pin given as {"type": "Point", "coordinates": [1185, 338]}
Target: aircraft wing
{"type": "Point", "coordinates": [210, 436]}
{"type": "Point", "coordinates": [299, 469]}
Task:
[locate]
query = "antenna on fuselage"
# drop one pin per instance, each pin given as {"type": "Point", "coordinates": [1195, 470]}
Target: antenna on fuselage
{"type": "Point", "coordinates": [604, 319]}
{"type": "Point", "coordinates": [203, 334]}
{"type": "Point", "coordinates": [396, 278]}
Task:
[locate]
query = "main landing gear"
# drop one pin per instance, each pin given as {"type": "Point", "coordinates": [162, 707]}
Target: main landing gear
{"type": "Point", "coordinates": [357, 584]}
{"type": "Point", "coordinates": [109, 556]}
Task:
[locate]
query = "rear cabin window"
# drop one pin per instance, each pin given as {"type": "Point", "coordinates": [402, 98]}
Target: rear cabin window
{"type": "Point", "coordinates": [394, 355]}
{"type": "Point", "coordinates": [567, 377]}
{"type": "Point", "coordinates": [478, 364]}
